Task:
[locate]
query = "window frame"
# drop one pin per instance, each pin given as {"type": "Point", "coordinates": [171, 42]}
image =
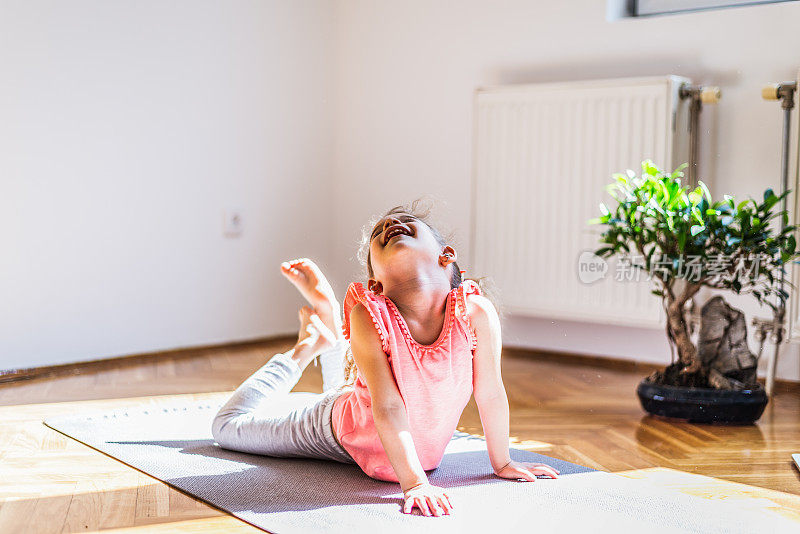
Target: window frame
{"type": "Point", "coordinates": [647, 8]}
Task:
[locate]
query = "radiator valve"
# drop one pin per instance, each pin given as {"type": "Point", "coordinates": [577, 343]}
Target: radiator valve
{"type": "Point", "coordinates": [780, 91]}
{"type": "Point", "coordinates": [707, 95]}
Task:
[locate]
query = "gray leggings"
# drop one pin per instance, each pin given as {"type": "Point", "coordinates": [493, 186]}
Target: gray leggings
{"type": "Point", "coordinates": [263, 417]}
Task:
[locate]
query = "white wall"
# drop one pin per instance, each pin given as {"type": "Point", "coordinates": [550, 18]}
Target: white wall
{"type": "Point", "coordinates": [406, 72]}
{"type": "Point", "coordinates": [125, 129]}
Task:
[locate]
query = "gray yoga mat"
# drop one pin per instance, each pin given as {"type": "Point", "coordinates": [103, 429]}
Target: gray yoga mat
{"type": "Point", "coordinates": [173, 443]}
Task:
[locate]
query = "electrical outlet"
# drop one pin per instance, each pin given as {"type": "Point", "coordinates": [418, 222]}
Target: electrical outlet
{"type": "Point", "coordinates": [232, 223]}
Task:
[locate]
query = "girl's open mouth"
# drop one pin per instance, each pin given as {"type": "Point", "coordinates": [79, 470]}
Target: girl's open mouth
{"type": "Point", "coordinates": [394, 231]}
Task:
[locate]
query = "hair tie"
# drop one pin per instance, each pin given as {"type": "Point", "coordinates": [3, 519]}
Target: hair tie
{"type": "Point", "coordinates": [463, 272]}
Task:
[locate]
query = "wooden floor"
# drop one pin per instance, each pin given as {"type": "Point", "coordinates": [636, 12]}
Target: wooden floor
{"type": "Point", "coordinates": [582, 412]}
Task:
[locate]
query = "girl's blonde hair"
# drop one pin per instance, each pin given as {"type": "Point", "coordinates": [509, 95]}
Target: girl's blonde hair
{"type": "Point", "coordinates": [420, 209]}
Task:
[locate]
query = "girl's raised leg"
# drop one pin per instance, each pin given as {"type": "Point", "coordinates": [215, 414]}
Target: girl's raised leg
{"type": "Point", "coordinates": [307, 277]}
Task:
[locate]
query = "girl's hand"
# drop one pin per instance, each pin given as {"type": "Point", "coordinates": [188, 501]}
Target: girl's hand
{"type": "Point", "coordinates": [526, 471]}
{"type": "Point", "coordinates": [430, 499]}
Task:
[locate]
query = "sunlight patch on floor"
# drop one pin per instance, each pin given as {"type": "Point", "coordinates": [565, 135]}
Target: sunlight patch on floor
{"type": "Point", "coordinates": [227, 524]}
{"type": "Point", "coordinates": [513, 441]}
{"type": "Point", "coordinates": [530, 444]}
{"type": "Point", "coordinates": [22, 492]}
{"type": "Point", "coordinates": [742, 495]}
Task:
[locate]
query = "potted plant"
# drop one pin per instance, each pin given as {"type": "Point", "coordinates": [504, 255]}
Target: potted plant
{"type": "Point", "coordinates": [686, 242]}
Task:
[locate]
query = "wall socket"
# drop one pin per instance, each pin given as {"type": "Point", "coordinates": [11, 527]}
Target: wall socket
{"type": "Point", "coordinates": [232, 222]}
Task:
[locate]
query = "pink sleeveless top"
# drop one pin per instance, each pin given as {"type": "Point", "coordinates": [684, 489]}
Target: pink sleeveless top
{"type": "Point", "coordinates": [434, 380]}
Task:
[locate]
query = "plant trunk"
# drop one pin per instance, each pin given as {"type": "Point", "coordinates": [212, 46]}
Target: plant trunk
{"type": "Point", "coordinates": [679, 329]}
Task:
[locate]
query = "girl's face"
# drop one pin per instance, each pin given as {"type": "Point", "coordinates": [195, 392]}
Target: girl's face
{"type": "Point", "coordinates": [401, 244]}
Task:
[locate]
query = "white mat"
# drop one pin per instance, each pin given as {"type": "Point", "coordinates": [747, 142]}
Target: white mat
{"type": "Point", "coordinates": [174, 444]}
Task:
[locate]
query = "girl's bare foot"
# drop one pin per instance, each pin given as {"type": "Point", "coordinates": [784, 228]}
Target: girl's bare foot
{"type": "Point", "coordinates": [307, 277]}
{"type": "Point", "coordinates": [312, 338]}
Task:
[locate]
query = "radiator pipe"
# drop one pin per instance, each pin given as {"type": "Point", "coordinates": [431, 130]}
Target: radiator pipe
{"type": "Point", "coordinates": [698, 96]}
{"type": "Point", "coordinates": [785, 93]}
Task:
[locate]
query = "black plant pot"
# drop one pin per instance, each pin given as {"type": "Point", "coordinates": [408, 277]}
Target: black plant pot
{"type": "Point", "coordinates": [703, 405]}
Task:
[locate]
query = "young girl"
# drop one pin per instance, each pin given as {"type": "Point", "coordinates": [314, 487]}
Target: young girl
{"type": "Point", "coordinates": [422, 341]}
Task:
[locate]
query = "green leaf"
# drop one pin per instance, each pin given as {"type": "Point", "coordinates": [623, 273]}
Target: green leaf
{"type": "Point", "coordinates": [706, 192]}
{"type": "Point", "coordinates": [696, 229]}
{"type": "Point", "coordinates": [649, 168]}
{"type": "Point", "coordinates": [603, 251]}
{"type": "Point", "coordinates": [678, 172]}
{"type": "Point", "coordinates": [770, 199]}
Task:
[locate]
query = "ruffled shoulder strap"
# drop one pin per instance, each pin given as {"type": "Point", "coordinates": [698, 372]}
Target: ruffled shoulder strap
{"type": "Point", "coordinates": [467, 287]}
{"type": "Point", "coordinates": [374, 305]}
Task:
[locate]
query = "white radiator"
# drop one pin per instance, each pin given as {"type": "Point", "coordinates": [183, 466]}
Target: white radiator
{"type": "Point", "coordinates": [542, 156]}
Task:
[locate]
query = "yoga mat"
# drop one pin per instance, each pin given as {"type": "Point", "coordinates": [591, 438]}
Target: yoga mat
{"type": "Point", "coordinates": [173, 443]}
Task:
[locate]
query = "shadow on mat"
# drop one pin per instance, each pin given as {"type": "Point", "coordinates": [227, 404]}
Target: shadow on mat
{"type": "Point", "coordinates": [272, 485]}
